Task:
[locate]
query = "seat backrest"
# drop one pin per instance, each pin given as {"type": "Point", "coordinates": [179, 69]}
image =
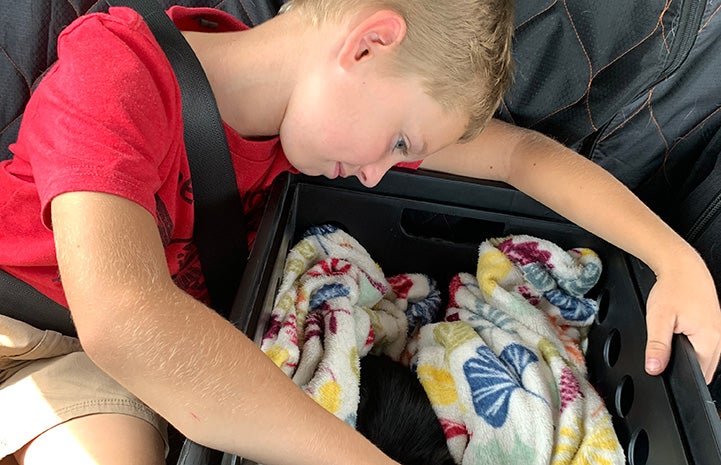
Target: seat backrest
{"type": "Point", "coordinates": [628, 83]}
{"type": "Point", "coordinates": [578, 63]}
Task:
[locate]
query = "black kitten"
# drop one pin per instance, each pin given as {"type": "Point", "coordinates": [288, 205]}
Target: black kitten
{"type": "Point", "coordinates": [395, 414]}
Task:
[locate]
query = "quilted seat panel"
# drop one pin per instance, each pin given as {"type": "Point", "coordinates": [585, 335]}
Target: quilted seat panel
{"type": "Point", "coordinates": [578, 62]}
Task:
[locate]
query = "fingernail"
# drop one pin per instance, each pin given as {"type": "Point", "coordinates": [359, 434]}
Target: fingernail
{"type": "Point", "coordinates": [653, 365]}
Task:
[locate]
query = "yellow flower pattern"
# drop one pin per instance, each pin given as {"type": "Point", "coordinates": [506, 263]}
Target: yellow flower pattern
{"type": "Point", "coordinates": [278, 354]}
{"type": "Point", "coordinates": [329, 396]}
{"type": "Point", "coordinates": [451, 335]}
{"type": "Point", "coordinates": [439, 385]}
{"type": "Point", "coordinates": [493, 267]}
{"type": "Point", "coordinates": [578, 447]}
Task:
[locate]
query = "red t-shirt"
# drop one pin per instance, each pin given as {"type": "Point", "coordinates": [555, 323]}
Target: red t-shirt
{"type": "Point", "coordinates": [107, 118]}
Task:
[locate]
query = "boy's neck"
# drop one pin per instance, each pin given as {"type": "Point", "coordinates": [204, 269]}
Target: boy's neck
{"type": "Point", "coordinates": [253, 73]}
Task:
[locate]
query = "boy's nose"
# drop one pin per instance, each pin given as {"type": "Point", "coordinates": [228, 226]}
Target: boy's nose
{"type": "Point", "coordinates": [370, 175]}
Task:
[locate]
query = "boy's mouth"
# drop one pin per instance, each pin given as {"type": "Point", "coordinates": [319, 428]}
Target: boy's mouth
{"type": "Point", "coordinates": [338, 171]}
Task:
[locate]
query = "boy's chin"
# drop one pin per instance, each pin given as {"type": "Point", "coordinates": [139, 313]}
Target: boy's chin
{"type": "Point", "coordinates": [310, 172]}
{"type": "Point", "coordinates": [330, 173]}
{"type": "Point", "coordinates": [317, 172]}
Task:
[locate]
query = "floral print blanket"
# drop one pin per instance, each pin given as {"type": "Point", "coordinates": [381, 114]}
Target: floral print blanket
{"type": "Point", "coordinates": [503, 367]}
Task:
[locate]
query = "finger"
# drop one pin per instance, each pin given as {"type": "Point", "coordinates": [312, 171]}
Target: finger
{"type": "Point", "coordinates": [658, 344]}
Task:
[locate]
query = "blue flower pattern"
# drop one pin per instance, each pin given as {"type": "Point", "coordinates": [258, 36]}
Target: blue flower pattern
{"type": "Point", "coordinates": [566, 294]}
{"type": "Point", "coordinates": [426, 310]}
{"type": "Point", "coordinates": [493, 379]}
{"type": "Point", "coordinates": [572, 308]}
{"type": "Point", "coordinates": [326, 293]}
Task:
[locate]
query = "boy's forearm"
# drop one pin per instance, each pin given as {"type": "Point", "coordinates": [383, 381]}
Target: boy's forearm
{"type": "Point", "coordinates": [589, 196]}
{"type": "Point", "coordinates": [222, 391]}
{"type": "Point", "coordinates": [177, 355]}
{"type": "Point", "coordinates": [568, 183]}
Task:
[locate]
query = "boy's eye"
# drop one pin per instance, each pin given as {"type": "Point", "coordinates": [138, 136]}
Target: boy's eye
{"type": "Point", "coordinates": [402, 146]}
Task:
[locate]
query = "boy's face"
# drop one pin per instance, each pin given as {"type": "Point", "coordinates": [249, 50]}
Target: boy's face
{"type": "Point", "coordinates": [363, 126]}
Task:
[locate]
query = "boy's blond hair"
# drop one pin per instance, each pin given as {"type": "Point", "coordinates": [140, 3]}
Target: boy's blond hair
{"type": "Point", "coordinates": [461, 49]}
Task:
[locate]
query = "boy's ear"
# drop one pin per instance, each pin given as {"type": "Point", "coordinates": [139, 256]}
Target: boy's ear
{"type": "Point", "coordinates": [378, 33]}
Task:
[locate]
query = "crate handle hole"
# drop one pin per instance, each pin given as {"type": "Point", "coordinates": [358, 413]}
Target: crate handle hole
{"type": "Point", "coordinates": [612, 348]}
{"type": "Point", "coordinates": [638, 448]}
{"type": "Point", "coordinates": [450, 228]}
{"type": "Point", "coordinates": [624, 396]}
{"type": "Point", "coordinates": [602, 312]}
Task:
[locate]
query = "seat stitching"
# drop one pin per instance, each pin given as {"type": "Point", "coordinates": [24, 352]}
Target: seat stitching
{"type": "Point", "coordinates": [638, 44]}
{"type": "Point", "coordinates": [663, 27]}
{"type": "Point", "coordinates": [77, 13]}
{"type": "Point", "coordinates": [569, 105]}
{"type": "Point", "coordinates": [520, 25]}
{"type": "Point", "coordinates": [590, 65]}
{"type": "Point", "coordinates": [695, 128]}
{"type": "Point", "coordinates": [710, 18]}
{"type": "Point", "coordinates": [2, 131]}
{"type": "Point", "coordinates": [17, 68]}
{"type": "Point", "coordinates": [247, 13]}
{"type": "Point", "coordinates": [628, 118]}
{"type": "Point", "coordinates": [655, 122]}
{"type": "Point", "coordinates": [604, 67]}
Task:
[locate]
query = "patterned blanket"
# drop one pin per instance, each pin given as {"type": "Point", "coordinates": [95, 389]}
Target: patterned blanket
{"type": "Point", "coordinates": [503, 368]}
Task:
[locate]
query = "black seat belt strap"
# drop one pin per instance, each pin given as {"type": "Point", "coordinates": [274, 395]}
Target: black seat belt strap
{"type": "Point", "coordinates": [219, 228]}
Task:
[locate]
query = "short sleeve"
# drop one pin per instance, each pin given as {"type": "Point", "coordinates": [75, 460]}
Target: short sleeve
{"type": "Point", "coordinates": [105, 115]}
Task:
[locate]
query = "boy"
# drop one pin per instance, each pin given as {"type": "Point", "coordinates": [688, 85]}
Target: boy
{"type": "Point", "coordinates": [352, 88]}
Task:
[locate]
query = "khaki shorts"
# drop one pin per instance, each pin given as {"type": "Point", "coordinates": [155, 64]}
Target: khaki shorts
{"type": "Point", "coordinates": [46, 379]}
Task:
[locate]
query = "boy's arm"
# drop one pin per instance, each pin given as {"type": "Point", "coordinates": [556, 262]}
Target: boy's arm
{"type": "Point", "coordinates": [187, 363]}
{"type": "Point", "coordinates": [683, 300]}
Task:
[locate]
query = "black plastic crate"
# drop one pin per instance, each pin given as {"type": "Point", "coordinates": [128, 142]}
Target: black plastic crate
{"type": "Point", "coordinates": [433, 224]}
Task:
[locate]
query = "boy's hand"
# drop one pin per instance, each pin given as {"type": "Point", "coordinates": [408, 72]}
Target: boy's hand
{"type": "Point", "coordinates": [684, 301]}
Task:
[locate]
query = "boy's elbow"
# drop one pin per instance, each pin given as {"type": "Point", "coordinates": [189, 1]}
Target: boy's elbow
{"type": "Point", "coordinates": [98, 327]}
{"type": "Point", "coordinates": [97, 342]}
{"type": "Point", "coordinates": [530, 153]}
{"type": "Point", "coordinates": [112, 319]}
